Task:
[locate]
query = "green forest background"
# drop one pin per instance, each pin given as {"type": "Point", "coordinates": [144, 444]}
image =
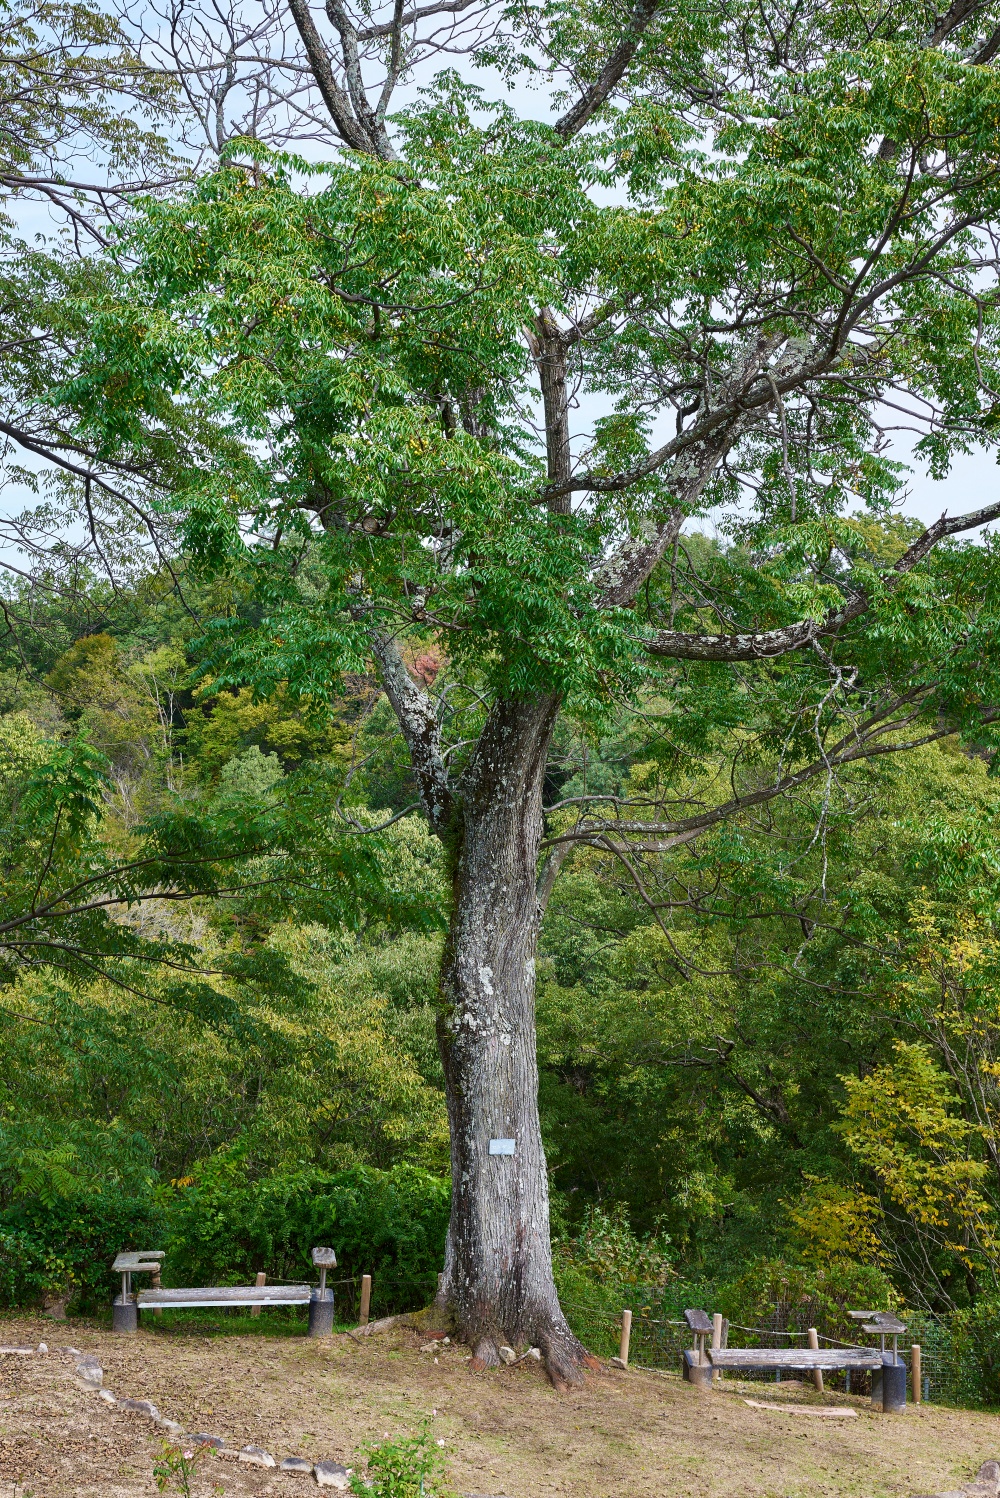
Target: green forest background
{"type": "Point", "coordinates": [767, 1081]}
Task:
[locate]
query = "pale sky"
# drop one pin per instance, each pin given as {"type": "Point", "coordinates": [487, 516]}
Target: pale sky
{"type": "Point", "coordinates": [973, 482]}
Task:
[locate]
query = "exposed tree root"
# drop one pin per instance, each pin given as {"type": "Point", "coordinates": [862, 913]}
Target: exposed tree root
{"type": "Point", "coordinates": [376, 1326]}
{"type": "Point", "coordinates": [485, 1355]}
{"type": "Point", "coordinates": [566, 1358]}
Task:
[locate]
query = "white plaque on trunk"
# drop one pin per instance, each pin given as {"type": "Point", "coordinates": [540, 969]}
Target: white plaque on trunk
{"type": "Point", "coordinates": [501, 1146]}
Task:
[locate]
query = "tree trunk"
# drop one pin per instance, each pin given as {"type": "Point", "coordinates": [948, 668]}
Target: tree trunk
{"type": "Point", "coordinates": [498, 1269]}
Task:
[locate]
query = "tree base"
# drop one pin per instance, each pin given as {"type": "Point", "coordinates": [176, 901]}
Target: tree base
{"type": "Point", "coordinates": [564, 1358]}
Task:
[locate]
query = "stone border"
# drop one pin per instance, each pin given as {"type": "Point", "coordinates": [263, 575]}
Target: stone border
{"type": "Point", "coordinates": [89, 1375]}
{"type": "Point", "coordinates": [329, 1474]}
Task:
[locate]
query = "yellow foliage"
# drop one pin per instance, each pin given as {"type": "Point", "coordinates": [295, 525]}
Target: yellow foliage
{"type": "Point", "coordinates": [836, 1222]}
{"type": "Point", "coordinates": [901, 1121]}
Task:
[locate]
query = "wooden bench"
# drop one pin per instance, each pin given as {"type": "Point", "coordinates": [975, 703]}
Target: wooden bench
{"type": "Point", "coordinates": [224, 1297]}
{"type": "Point", "coordinates": [125, 1308]}
{"type": "Point", "coordinates": [887, 1369]}
{"type": "Point", "coordinates": [797, 1359]}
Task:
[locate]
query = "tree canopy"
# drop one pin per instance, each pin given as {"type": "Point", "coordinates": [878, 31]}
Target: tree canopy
{"type": "Point", "coordinates": [526, 475]}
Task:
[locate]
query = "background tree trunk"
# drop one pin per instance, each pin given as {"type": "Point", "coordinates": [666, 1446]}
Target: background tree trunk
{"type": "Point", "coordinates": [498, 1277]}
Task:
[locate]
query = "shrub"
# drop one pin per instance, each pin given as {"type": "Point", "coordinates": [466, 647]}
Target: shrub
{"type": "Point", "coordinates": [27, 1270]}
{"type": "Point", "coordinates": [408, 1467]}
{"type": "Point", "coordinates": [73, 1194]}
{"type": "Point", "coordinates": [777, 1296]}
{"type": "Point", "coordinates": [225, 1226]}
{"type": "Point", "coordinates": [68, 1244]}
{"type": "Point", "coordinates": [603, 1268]}
{"type": "Point", "coordinates": [606, 1251]}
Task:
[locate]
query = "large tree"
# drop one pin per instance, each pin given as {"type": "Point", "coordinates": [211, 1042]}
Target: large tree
{"type": "Point", "coordinates": [460, 393]}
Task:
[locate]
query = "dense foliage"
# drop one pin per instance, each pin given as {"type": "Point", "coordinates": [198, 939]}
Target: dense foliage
{"type": "Point", "coordinates": [308, 518]}
{"type": "Point", "coordinates": [791, 1055]}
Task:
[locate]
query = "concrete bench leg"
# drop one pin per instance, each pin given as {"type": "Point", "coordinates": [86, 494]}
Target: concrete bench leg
{"type": "Point", "coordinates": [892, 1388]}
{"type": "Point", "coordinates": [696, 1372]}
{"type": "Point", "coordinates": [321, 1313]}
{"type": "Point", "coordinates": [124, 1315]}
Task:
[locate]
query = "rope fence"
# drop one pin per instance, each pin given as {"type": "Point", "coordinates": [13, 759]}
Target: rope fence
{"type": "Point", "coordinates": [946, 1370]}
{"type": "Point", "coordinates": [656, 1343]}
{"type": "Point", "coordinates": [953, 1367]}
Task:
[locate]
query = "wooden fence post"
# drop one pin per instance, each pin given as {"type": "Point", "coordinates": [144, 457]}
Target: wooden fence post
{"type": "Point", "coordinates": [716, 1338]}
{"type": "Point", "coordinates": [366, 1299]}
{"type": "Point", "coordinates": [814, 1346]}
{"type": "Point", "coordinates": [916, 1383]}
{"type": "Point", "coordinates": [625, 1337]}
{"type": "Point", "coordinates": [261, 1280]}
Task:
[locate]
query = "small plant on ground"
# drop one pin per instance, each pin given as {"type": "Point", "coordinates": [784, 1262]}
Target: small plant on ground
{"type": "Point", "coordinates": [177, 1466]}
{"type": "Point", "coordinates": [407, 1467]}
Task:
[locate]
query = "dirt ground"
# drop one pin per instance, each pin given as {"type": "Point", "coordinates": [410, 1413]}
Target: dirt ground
{"type": "Point", "coordinates": [628, 1434]}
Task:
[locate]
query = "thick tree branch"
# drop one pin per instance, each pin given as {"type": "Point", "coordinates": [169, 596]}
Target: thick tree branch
{"type": "Point", "coordinates": [332, 94]}
{"type": "Point", "coordinates": [395, 67]}
{"type": "Point", "coordinates": [549, 873]}
{"type": "Point", "coordinates": [767, 644]}
{"type": "Point", "coordinates": [550, 356]}
{"type": "Point", "coordinates": [989, 49]}
{"type": "Point", "coordinates": [959, 12]}
{"type": "Point", "coordinates": [373, 127]}
{"type": "Point", "coordinates": [610, 74]}
{"type": "Point", "coordinates": [621, 576]}
{"type": "Point", "coordinates": [418, 721]}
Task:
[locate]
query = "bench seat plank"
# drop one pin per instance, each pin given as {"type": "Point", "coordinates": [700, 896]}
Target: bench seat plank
{"type": "Point", "coordinates": [227, 1295]}
{"type": "Point", "coordinates": [793, 1357]}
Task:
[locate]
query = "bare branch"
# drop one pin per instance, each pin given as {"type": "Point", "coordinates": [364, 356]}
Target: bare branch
{"type": "Point", "coordinates": [865, 743]}
{"type": "Point", "coordinates": [387, 28]}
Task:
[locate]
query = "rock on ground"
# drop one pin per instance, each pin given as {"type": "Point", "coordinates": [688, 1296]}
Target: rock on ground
{"type": "Point", "coordinates": [254, 1456]}
{"type": "Point", "coordinates": [296, 1464]}
{"type": "Point", "coordinates": [332, 1475]}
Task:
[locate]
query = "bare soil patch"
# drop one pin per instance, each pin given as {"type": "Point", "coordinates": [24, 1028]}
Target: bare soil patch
{"type": "Point", "coordinates": [630, 1435]}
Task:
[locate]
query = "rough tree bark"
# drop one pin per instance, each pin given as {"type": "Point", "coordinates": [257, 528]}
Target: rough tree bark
{"type": "Point", "coordinates": [498, 1277]}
